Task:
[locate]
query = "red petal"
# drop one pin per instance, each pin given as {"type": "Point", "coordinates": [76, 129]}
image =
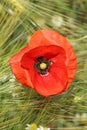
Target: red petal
{"type": "Point", "coordinates": [21, 74]}
{"type": "Point", "coordinates": [53, 83]}
{"type": "Point", "coordinates": [48, 37]}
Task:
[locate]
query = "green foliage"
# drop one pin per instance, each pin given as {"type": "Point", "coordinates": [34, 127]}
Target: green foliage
{"type": "Point", "coordinates": [20, 105]}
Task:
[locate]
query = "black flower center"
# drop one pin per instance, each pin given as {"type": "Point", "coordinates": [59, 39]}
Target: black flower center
{"type": "Point", "coordinates": [42, 65]}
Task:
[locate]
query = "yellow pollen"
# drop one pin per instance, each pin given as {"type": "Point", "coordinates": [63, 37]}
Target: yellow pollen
{"type": "Point", "coordinates": [43, 66]}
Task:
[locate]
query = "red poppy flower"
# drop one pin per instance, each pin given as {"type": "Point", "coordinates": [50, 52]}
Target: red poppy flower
{"type": "Point", "coordinates": [47, 65]}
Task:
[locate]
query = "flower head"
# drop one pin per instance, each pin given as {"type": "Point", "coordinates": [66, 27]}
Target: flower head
{"type": "Point", "coordinates": [47, 64]}
{"type": "Point", "coordinates": [33, 126]}
{"type": "Point", "coordinates": [57, 21]}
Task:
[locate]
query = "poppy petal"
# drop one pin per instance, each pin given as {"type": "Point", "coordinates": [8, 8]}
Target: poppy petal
{"type": "Point", "coordinates": [21, 74]}
{"type": "Point", "coordinates": [52, 83]}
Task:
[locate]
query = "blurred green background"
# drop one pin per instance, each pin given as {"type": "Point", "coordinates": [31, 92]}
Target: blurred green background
{"type": "Point", "coordinates": [19, 105]}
